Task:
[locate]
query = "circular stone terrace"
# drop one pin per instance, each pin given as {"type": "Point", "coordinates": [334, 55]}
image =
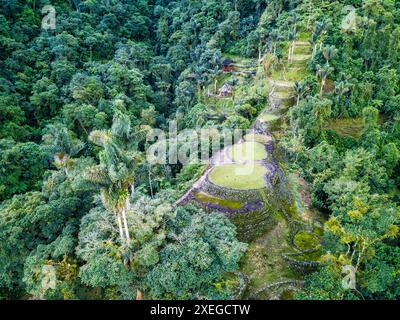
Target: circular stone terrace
{"type": "Point", "coordinates": [247, 151]}
{"type": "Point", "coordinates": [245, 168]}
{"type": "Point", "coordinates": [247, 176]}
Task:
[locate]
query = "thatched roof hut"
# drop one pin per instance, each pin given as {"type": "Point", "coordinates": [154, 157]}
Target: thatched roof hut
{"type": "Point", "coordinates": [226, 90]}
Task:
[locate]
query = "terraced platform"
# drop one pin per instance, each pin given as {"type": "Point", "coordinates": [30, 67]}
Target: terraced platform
{"type": "Point", "coordinates": [247, 151]}
{"type": "Point", "coordinates": [282, 84]}
{"type": "Point", "coordinates": [248, 176]}
{"type": "Point", "coordinates": [245, 180]}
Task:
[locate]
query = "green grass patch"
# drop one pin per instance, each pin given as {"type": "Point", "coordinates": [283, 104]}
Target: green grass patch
{"type": "Point", "coordinates": [283, 85]}
{"type": "Point", "coordinates": [301, 57]}
{"type": "Point", "coordinates": [298, 74]}
{"type": "Point", "coordinates": [319, 231]}
{"type": "Point", "coordinates": [225, 105]}
{"type": "Point", "coordinates": [239, 176]}
{"type": "Point", "coordinates": [305, 241]}
{"type": "Point", "coordinates": [283, 94]}
{"type": "Point", "coordinates": [309, 256]}
{"type": "Point", "coordinates": [248, 151]}
{"type": "Point", "coordinates": [302, 50]}
{"type": "Point", "coordinates": [207, 198]}
{"type": "Point", "coordinates": [260, 138]}
{"type": "Point", "coordinates": [289, 75]}
{"type": "Point", "coordinates": [263, 261]}
{"type": "Point", "coordinates": [304, 36]}
{"type": "Point", "coordinates": [349, 127]}
{"type": "Point", "coordinates": [267, 117]}
{"type": "Point", "coordinates": [295, 189]}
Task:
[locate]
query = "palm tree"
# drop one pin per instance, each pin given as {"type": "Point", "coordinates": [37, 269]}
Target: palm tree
{"type": "Point", "coordinates": [323, 73]}
{"type": "Point", "coordinates": [214, 75]}
{"type": "Point", "coordinates": [292, 39]}
{"type": "Point", "coordinates": [325, 25]}
{"type": "Point", "coordinates": [116, 172]}
{"type": "Point", "coordinates": [62, 146]}
{"type": "Point", "coordinates": [281, 63]}
{"type": "Point", "coordinates": [341, 88]}
{"type": "Point", "coordinates": [294, 19]}
{"type": "Point", "coordinates": [314, 41]}
{"type": "Point", "coordinates": [319, 29]}
{"type": "Point", "coordinates": [201, 80]}
{"type": "Point", "coordinates": [300, 89]}
{"type": "Point", "coordinates": [274, 38]}
{"type": "Point", "coordinates": [329, 52]}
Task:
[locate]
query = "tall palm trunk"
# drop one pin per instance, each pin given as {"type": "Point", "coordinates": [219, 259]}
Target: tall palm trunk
{"type": "Point", "coordinates": [128, 238]}
{"type": "Point", "coordinates": [259, 52]}
{"type": "Point", "coordinates": [150, 182]}
{"type": "Point", "coordinates": [314, 50]}
{"type": "Point", "coordinates": [121, 232]}
{"type": "Point", "coordinates": [322, 86]}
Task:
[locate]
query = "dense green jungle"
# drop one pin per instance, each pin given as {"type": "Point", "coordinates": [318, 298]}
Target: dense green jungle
{"type": "Point", "coordinates": [303, 205]}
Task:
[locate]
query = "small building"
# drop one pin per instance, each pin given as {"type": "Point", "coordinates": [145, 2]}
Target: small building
{"type": "Point", "coordinates": [226, 90]}
{"type": "Point", "coordinates": [228, 65]}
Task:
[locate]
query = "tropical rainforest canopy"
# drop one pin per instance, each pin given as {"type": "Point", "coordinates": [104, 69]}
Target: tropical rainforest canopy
{"type": "Point", "coordinates": [83, 215]}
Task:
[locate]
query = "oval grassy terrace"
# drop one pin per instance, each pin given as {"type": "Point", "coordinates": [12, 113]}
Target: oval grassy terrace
{"type": "Point", "coordinates": [256, 137]}
{"type": "Point", "coordinates": [248, 151]}
{"type": "Point", "coordinates": [248, 176]}
{"type": "Point", "coordinates": [268, 117]}
{"type": "Point", "coordinates": [306, 241]}
{"type": "Point", "coordinates": [204, 197]}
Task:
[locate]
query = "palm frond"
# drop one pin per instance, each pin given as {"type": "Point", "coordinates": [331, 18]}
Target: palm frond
{"type": "Point", "coordinates": [76, 146]}
{"type": "Point", "coordinates": [121, 126]}
{"type": "Point", "coordinates": [61, 159]}
{"type": "Point", "coordinates": [100, 137]}
{"type": "Point", "coordinates": [97, 174]}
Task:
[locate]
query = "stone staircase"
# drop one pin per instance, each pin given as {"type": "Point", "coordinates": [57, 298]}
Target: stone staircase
{"type": "Point", "coordinates": [282, 94]}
